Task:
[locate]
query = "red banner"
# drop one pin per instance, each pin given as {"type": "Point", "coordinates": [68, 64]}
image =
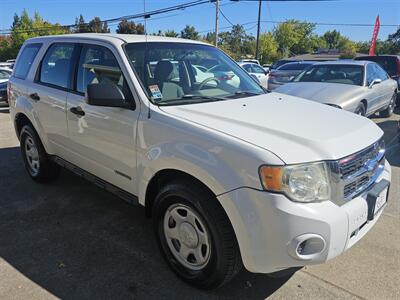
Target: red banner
{"type": "Point", "coordinates": [375, 36]}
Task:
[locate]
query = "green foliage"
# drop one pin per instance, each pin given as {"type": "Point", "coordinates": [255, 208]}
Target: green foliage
{"type": "Point", "coordinates": [126, 27]}
{"type": "Point", "coordinates": [294, 36]}
{"type": "Point", "coordinates": [25, 27]}
{"type": "Point", "coordinates": [288, 38]}
{"type": "Point", "coordinates": [95, 25]}
{"type": "Point", "coordinates": [189, 32]}
{"type": "Point", "coordinates": [171, 33]}
{"type": "Point", "coordinates": [332, 39]}
{"type": "Point", "coordinates": [268, 48]}
{"type": "Point", "coordinates": [237, 43]}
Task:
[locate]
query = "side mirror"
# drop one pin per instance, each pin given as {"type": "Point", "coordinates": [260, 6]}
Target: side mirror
{"type": "Point", "coordinates": [375, 81]}
{"type": "Point", "coordinates": [106, 94]}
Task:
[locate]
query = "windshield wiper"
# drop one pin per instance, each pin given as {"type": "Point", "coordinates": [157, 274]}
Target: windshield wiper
{"type": "Point", "coordinates": [244, 93]}
{"type": "Point", "coordinates": [189, 98]}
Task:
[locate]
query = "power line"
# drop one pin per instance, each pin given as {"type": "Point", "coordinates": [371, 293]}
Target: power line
{"type": "Point", "coordinates": [307, 22]}
{"type": "Point", "coordinates": [145, 15]}
{"type": "Point", "coordinates": [226, 18]}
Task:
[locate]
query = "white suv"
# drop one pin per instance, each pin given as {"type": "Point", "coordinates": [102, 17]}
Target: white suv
{"type": "Point", "coordinates": [230, 174]}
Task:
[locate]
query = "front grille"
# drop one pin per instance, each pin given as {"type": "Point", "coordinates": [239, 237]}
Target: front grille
{"type": "Point", "coordinates": [360, 170]}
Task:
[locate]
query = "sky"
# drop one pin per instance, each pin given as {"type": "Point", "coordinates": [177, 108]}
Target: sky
{"type": "Point", "coordinates": [203, 17]}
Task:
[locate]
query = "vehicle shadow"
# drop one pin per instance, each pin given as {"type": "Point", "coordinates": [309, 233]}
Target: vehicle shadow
{"type": "Point", "coordinates": [78, 242]}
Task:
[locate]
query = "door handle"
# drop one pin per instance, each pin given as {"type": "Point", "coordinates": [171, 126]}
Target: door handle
{"type": "Point", "coordinates": [77, 111]}
{"type": "Point", "coordinates": [34, 96]}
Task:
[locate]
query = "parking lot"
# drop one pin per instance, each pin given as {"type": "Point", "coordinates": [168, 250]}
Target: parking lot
{"type": "Point", "coordinates": [72, 240]}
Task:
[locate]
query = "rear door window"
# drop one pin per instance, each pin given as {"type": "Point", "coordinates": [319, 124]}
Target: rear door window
{"type": "Point", "coordinates": [56, 66]}
{"type": "Point", "coordinates": [25, 60]}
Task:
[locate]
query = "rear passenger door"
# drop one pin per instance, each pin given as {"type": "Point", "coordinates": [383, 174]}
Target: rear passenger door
{"type": "Point", "coordinates": [102, 139]}
{"type": "Point", "coordinates": [49, 90]}
{"type": "Point", "coordinates": [387, 87]}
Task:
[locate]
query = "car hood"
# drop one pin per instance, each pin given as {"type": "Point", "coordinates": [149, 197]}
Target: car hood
{"type": "Point", "coordinates": [322, 92]}
{"type": "Point", "coordinates": [294, 129]}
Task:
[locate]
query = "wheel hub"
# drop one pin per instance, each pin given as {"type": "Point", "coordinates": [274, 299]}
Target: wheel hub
{"type": "Point", "coordinates": [188, 235]}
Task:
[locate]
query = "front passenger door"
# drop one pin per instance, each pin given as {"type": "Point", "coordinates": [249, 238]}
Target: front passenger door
{"type": "Point", "coordinates": [375, 91]}
{"type": "Point", "coordinates": [102, 139]}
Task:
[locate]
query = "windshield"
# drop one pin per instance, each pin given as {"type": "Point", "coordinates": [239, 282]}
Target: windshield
{"type": "Point", "coordinates": [345, 74]}
{"type": "Point", "coordinates": [182, 73]}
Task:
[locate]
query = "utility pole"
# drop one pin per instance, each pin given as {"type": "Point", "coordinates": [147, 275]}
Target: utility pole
{"type": "Point", "coordinates": [258, 29]}
{"type": "Point", "coordinates": [216, 22]}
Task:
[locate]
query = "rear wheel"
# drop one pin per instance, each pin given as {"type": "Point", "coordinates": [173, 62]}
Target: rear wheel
{"type": "Point", "coordinates": [195, 235]}
{"type": "Point", "coordinates": [361, 109]}
{"type": "Point", "coordinates": [37, 163]}
{"type": "Point", "coordinates": [388, 111]}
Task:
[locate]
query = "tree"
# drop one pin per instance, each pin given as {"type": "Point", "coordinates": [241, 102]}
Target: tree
{"type": "Point", "coordinates": [286, 37]}
{"type": "Point", "coordinates": [268, 48]}
{"type": "Point", "coordinates": [347, 47]}
{"type": "Point", "coordinates": [171, 33]}
{"type": "Point", "coordinates": [189, 32]}
{"type": "Point", "coordinates": [126, 27]}
{"type": "Point", "coordinates": [237, 43]}
{"type": "Point", "coordinates": [332, 39]}
{"type": "Point", "coordinates": [394, 40]}
{"type": "Point", "coordinates": [96, 25]}
{"type": "Point", "coordinates": [25, 27]}
{"type": "Point", "coordinates": [81, 26]}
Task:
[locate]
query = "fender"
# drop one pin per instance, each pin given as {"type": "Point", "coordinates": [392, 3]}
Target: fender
{"type": "Point", "coordinates": [25, 107]}
{"type": "Point", "coordinates": [157, 160]}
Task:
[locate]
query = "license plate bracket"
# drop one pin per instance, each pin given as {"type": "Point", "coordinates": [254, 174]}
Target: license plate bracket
{"type": "Point", "coordinates": [374, 194]}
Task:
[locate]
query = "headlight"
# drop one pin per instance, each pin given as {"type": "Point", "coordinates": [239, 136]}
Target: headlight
{"type": "Point", "coordinates": [301, 183]}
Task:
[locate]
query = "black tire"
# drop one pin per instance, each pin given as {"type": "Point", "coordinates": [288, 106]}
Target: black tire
{"type": "Point", "coordinates": [47, 170]}
{"type": "Point", "coordinates": [224, 259]}
{"type": "Point", "coordinates": [361, 110]}
{"type": "Point", "coordinates": [388, 111]}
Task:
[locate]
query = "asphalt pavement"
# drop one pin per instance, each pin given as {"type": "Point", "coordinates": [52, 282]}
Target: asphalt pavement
{"type": "Point", "coordinates": [72, 240]}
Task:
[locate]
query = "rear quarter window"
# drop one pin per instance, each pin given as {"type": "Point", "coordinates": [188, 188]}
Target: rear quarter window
{"type": "Point", "coordinates": [25, 60]}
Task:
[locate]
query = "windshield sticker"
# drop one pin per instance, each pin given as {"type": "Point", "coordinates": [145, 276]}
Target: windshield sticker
{"type": "Point", "coordinates": [155, 92]}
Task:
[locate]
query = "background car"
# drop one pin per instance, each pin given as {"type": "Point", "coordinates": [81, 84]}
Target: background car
{"type": "Point", "coordinates": [5, 74]}
{"type": "Point", "coordinates": [257, 72]}
{"type": "Point", "coordinates": [279, 63]}
{"type": "Point", "coordinates": [391, 64]}
{"type": "Point", "coordinates": [254, 61]}
{"type": "Point", "coordinates": [223, 74]}
{"type": "Point", "coordinates": [3, 94]}
{"type": "Point", "coordinates": [361, 87]}
{"type": "Point", "coordinates": [285, 73]}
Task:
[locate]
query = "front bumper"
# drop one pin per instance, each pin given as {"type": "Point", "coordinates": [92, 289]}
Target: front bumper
{"type": "Point", "coordinates": [268, 225]}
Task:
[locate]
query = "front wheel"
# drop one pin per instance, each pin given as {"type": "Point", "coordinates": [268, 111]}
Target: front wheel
{"type": "Point", "coordinates": [195, 235]}
{"type": "Point", "coordinates": [388, 111]}
{"type": "Point", "coordinates": [360, 110]}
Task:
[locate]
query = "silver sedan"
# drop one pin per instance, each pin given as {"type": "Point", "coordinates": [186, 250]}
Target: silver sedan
{"type": "Point", "coordinates": [361, 87]}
